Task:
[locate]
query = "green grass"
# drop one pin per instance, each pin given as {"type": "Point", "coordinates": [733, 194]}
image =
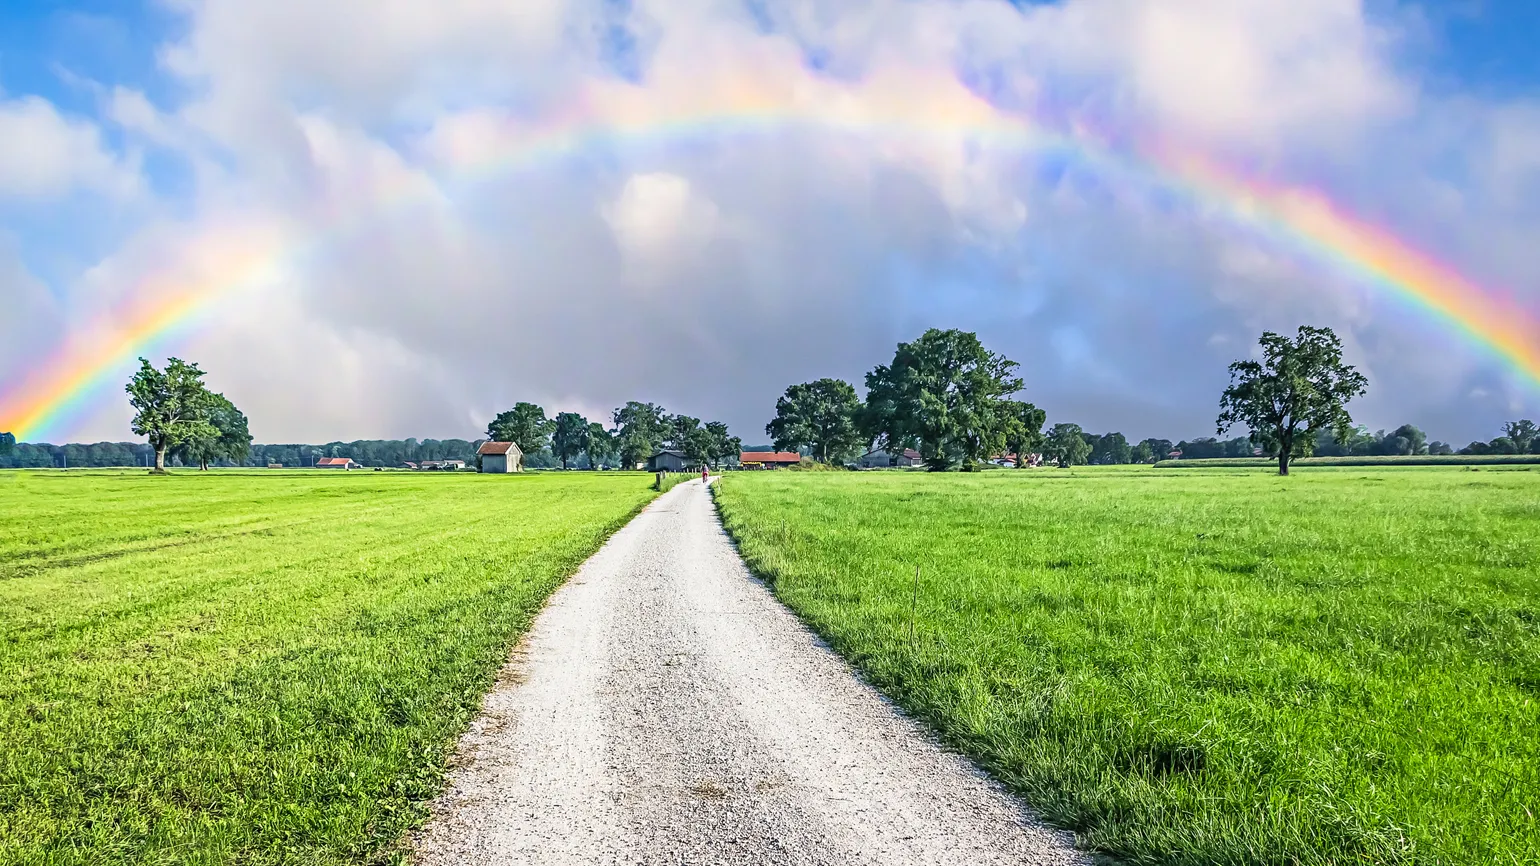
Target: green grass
{"type": "Point", "coordinates": [1338, 667]}
{"type": "Point", "coordinates": [1368, 460]}
{"type": "Point", "coordinates": [260, 668]}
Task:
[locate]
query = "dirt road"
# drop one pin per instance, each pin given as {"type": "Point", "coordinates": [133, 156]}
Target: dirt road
{"type": "Point", "coordinates": [665, 708]}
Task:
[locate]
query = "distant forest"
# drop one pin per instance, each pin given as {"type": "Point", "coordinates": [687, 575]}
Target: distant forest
{"type": "Point", "coordinates": [1105, 448]}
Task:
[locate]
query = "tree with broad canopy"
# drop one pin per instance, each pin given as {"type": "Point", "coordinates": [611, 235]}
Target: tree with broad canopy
{"type": "Point", "coordinates": [1300, 387]}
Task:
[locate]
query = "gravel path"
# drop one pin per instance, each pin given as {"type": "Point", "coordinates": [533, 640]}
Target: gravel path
{"type": "Point", "coordinates": [665, 708]}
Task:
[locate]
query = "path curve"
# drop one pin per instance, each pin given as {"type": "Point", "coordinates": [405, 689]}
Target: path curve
{"type": "Point", "coordinates": [665, 708]}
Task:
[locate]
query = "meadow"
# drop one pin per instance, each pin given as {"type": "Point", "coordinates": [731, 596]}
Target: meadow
{"type": "Point", "coordinates": [1221, 667]}
{"type": "Point", "coordinates": [262, 667]}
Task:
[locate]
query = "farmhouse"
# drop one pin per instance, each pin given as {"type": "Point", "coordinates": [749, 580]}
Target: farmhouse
{"type": "Point", "coordinates": [768, 459]}
{"type": "Point", "coordinates": [880, 459]}
{"type": "Point", "coordinates": [501, 457]}
{"type": "Point", "coordinates": [343, 463]}
{"type": "Point", "coordinates": [670, 460]}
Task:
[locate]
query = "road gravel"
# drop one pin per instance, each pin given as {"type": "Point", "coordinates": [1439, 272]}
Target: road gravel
{"type": "Point", "coordinates": [665, 708]}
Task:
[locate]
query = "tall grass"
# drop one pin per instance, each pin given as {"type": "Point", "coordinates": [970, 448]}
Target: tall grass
{"type": "Point", "coordinates": [1336, 667]}
{"type": "Point", "coordinates": [212, 668]}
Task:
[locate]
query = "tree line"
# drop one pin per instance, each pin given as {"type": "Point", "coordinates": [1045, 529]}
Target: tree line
{"type": "Point", "coordinates": [637, 432]}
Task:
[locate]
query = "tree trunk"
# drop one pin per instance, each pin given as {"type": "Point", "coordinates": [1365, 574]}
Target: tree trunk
{"type": "Point", "coordinates": [160, 458]}
{"type": "Point", "coordinates": [1283, 463]}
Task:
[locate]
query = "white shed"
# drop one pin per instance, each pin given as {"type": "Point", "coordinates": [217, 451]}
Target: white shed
{"type": "Point", "coordinates": [501, 457]}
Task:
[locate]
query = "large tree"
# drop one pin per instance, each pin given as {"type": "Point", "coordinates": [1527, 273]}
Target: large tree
{"type": "Point", "coordinates": [569, 437]}
{"type": "Point", "coordinates": [1111, 449]}
{"type": "Point", "coordinates": [687, 435]}
{"type": "Point", "coordinates": [171, 406]}
{"type": "Point", "coordinates": [1024, 430]}
{"type": "Point", "coordinates": [723, 445]}
{"type": "Point", "coordinates": [1523, 434]}
{"type": "Point", "coordinates": [601, 445]}
{"type": "Point", "coordinates": [1153, 450]}
{"type": "Point", "coordinates": [7, 444]}
{"type": "Point", "coordinates": [821, 416]}
{"type": "Point", "coordinates": [1066, 445]}
{"type": "Point", "coordinates": [1299, 388]}
{"type": "Point", "coordinates": [946, 392]}
{"type": "Point", "coordinates": [229, 436]}
{"type": "Point", "coordinates": [525, 425]}
{"type": "Point", "coordinates": [640, 429]}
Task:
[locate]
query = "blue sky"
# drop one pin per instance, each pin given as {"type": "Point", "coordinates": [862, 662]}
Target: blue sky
{"type": "Point", "coordinates": [160, 134]}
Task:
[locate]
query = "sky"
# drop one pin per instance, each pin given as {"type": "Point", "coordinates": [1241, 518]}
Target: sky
{"type": "Point", "coordinates": [388, 218]}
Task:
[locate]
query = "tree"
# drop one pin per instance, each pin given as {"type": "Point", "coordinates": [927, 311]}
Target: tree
{"type": "Point", "coordinates": [1153, 450]}
{"type": "Point", "coordinates": [640, 429]}
{"type": "Point", "coordinates": [1407, 439]}
{"type": "Point", "coordinates": [569, 437]}
{"type": "Point", "coordinates": [525, 425]}
{"type": "Point", "coordinates": [7, 444]}
{"type": "Point", "coordinates": [946, 392]}
{"type": "Point", "coordinates": [687, 435]}
{"type": "Point", "coordinates": [1522, 433]}
{"type": "Point", "coordinates": [1440, 448]}
{"type": "Point", "coordinates": [822, 416]}
{"type": "Point", "coordinates": [1066, 445]}
{"type": "Point", "coordinates": [1024, 429]}
{"type": "Point", "coordinates": [1111, 448]}
{"type": "Point", "coordinates": [723, 445]}
{"type": "Point", "coordinates": [228, 436]}
{"type": "Point", "coordinates": [601, 445]}
{"type": "Point", "coordinates": [171, 406]}
{"type": "Point", "coordinates": [1503, 445]}
{"type": "Point", "coordinates": [1299, 387]}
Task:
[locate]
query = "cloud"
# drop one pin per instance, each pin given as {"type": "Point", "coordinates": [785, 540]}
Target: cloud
{"type": "Point", "coordinates": [469, 203]}
{"type": "Point", "coordinates": [44, 154]}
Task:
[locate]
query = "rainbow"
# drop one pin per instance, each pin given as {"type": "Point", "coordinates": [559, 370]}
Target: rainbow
{"type": "Point", "coordinates": [1304, 220]}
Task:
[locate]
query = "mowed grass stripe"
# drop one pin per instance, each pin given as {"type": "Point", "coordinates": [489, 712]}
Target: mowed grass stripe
{"type": "Point", "coordinates": [286, 695]}
{"type": "Point", "coordinates": [1337, 667]}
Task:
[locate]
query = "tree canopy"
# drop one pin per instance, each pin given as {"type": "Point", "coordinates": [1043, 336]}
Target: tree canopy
{"type": "Point", "coordinates": [525, 425]}
{"type": "Point", "coordinates": [822, 416]}
{"type": "Point", "coordinates": [569, 437]}
{"type": "Point", "coordinates": [947, 393]}
{"type": "Point", "coordinates": [228, 437]}
{"type": "Point", "coordinates": [1066, 445]}
{"type": "Point", "coordinates": [7, 444]}
{"type": "Point", "coordinates": [171, 406]}
{"type": "Point", "coordinates": [1300, 387]}
{"type": "Point", "coordinates": [1024, 430]}
{"type": "Point", "coordinates": [640, 429]}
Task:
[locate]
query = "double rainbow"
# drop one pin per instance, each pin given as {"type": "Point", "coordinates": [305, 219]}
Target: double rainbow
{"type": "Point", "coordinates": [1305, 220]}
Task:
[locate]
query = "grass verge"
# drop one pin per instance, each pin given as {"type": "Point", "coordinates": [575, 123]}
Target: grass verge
{"type": "Point", "coordinates": [268, 668]}
{"type": "Point", "coordinates": [1337, 667]}
{"type": "Point", "coordinates": [1372, 460]}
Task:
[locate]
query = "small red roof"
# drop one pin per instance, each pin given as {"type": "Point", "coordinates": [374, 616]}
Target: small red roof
{"type": "Point", "coordinates": [498, 448]}
{"type": "Point", "coordinates": [769, 457]}
{"type": "Point", "coordinates": [334, 461]}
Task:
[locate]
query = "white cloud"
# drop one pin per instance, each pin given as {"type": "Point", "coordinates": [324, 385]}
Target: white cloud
{"type": "Point", "coordinates": [44, 154]}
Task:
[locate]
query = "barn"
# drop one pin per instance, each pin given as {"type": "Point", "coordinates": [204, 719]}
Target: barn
{"type": "Point", "coordinates": [343, 463]}
{"type": "Point", "coordinates": [500, 457]}
{"type": "Point", "coordinates": [669, 460]}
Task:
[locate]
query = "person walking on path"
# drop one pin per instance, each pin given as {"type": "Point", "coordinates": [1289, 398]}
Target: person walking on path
{"type": "Point", "coordinates": [705, 474]}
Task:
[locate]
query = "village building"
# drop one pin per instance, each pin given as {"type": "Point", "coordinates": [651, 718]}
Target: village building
{"type": "Point", "coordinates": [501, 457]}
{"type": "Point", "coordinates": [881, 459]}
{"type": "Point", "coordinates": [670, 460]}
{"type": "Point", "coordinates": [768, 459]}
{"type": "Point", "coordinates": [343, 463]}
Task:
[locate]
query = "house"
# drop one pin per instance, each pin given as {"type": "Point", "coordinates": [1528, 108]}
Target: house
{"type": "Point", "coordinates": [408, 465]}
{"type": "Point", "coordinates": [501, 457]}
{"type": "Point", "coordinates": [768, 459]}
{"type": "Point", "coordinates": [343, 463]}
{"type": "Point", "coordinates": [880, 459]}
{"type": "Point", "coordinates": [275, 465]}
{"type": "Point", "coordinates": [670, 460]}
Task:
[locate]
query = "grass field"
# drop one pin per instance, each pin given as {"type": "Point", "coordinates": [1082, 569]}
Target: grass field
{"type": "Point", "coordinates": [1338, 667]}
{"type": "Point", "coordinates": [260, 668]}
